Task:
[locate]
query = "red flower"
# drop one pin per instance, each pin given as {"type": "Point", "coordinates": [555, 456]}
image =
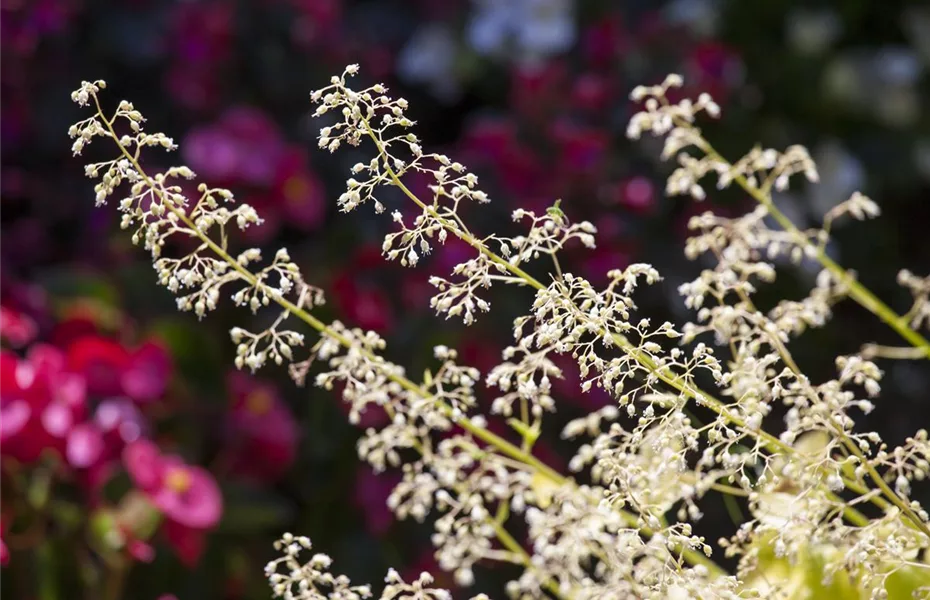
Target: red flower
{"type": "Point", "coordinates": [112, 370]}
{"type": "Point", "coordinates": [188, 543]}
{"type": "Point", "coordinates": [102, 362]}
{"type": "Point", "coordinates": [298, 191]}
{"type": "Point", "coordinates": [262, 432]}
{"type": "Point", "coordinates": [72, 328]}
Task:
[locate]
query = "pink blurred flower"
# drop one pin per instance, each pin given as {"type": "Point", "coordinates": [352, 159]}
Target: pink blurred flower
{"type": "Point", "coordinates": [243, 147]}
{"type": "Point", "coordinates": [262, 433]}
{"type": "Point", "coordinates": [85, 446]}
{"type": "Point", "coordinates": [638, 194]}
{"type": "Point", "coordinates": [140, 551]}
{"type": "Point", "coordinates": [120, 423]}
{"type": "Point", "coordinates": [295, 197]}
{"type": "Point", "coordinates": [16, 413]}
{"type": "Point", "coordinates": [15, 327]}
{"type": "Point", "coordinates": [713, 68]}
{"type": "Point", "coordinates": [186, 494]}
{"type": "Point", "coordinates": [147, 373]}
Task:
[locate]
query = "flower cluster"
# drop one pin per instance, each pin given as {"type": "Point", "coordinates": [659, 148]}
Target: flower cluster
{"type": "Point", "coordinates": [82, 407]}
{"type": "Point", "coordinates": [692, 415]}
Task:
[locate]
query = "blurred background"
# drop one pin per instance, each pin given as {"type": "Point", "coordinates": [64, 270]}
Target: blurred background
{"type": "Point", "coordinates": [532, 95]}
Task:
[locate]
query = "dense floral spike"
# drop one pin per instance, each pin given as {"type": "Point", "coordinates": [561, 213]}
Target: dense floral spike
{"type": "Point", "coordinates": [631, 532]}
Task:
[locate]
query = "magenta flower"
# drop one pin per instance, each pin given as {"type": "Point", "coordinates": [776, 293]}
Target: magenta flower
{"type": "Point", "coordinates": [120, 422]}
{"type": "Point", "coordinates": [15, 407]}
{"type": "Point", "coordinates": [243, 147]}
{"type": "Point", "coordinates": [604, 41]}
{"type": "Point", "coordinates": [4, 551]}
{"type": "Point", "coordinates": [147, 373]}
{"type": "Point", "coordinates": [592, 92]}
{"type": "Point", "coordinates": [371, 494]}
{"type": "Point", "coordinates": [200, 39]}
{"type": "Point", "coordinates": [185, 494]}
{"type": "Point", "coordinates": [581, 150]}
{"type": "Point", "coordinates": [15, 327]}
{"type": "Point", "coordinates": [40, 403]}
{"type": "Point", "coordinates": [85, 446]}
{"type": "Point", "coordinates": [488, 138]}
{"type": "Point", "coordinates": [262, 432]}
{"type": "Point", "coordinates": [637, 194]}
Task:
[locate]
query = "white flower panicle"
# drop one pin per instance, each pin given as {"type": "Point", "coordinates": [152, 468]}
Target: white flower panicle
{"type": "Point", "coordinates": [292, 579]}
{"type": "Point", "coordinates": [651, 459]}
{"type": "Point", "coordinates": [371, 114]}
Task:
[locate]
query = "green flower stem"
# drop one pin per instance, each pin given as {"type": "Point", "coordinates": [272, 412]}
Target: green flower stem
{"type": "Point", "coordinates": [857, 291]}
{"type": "Point", "coordinates": [886, 489]}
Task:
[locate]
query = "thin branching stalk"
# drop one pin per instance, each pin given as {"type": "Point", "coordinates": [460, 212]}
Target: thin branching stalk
{"type": "Point", "coordinates": [482, 433]}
